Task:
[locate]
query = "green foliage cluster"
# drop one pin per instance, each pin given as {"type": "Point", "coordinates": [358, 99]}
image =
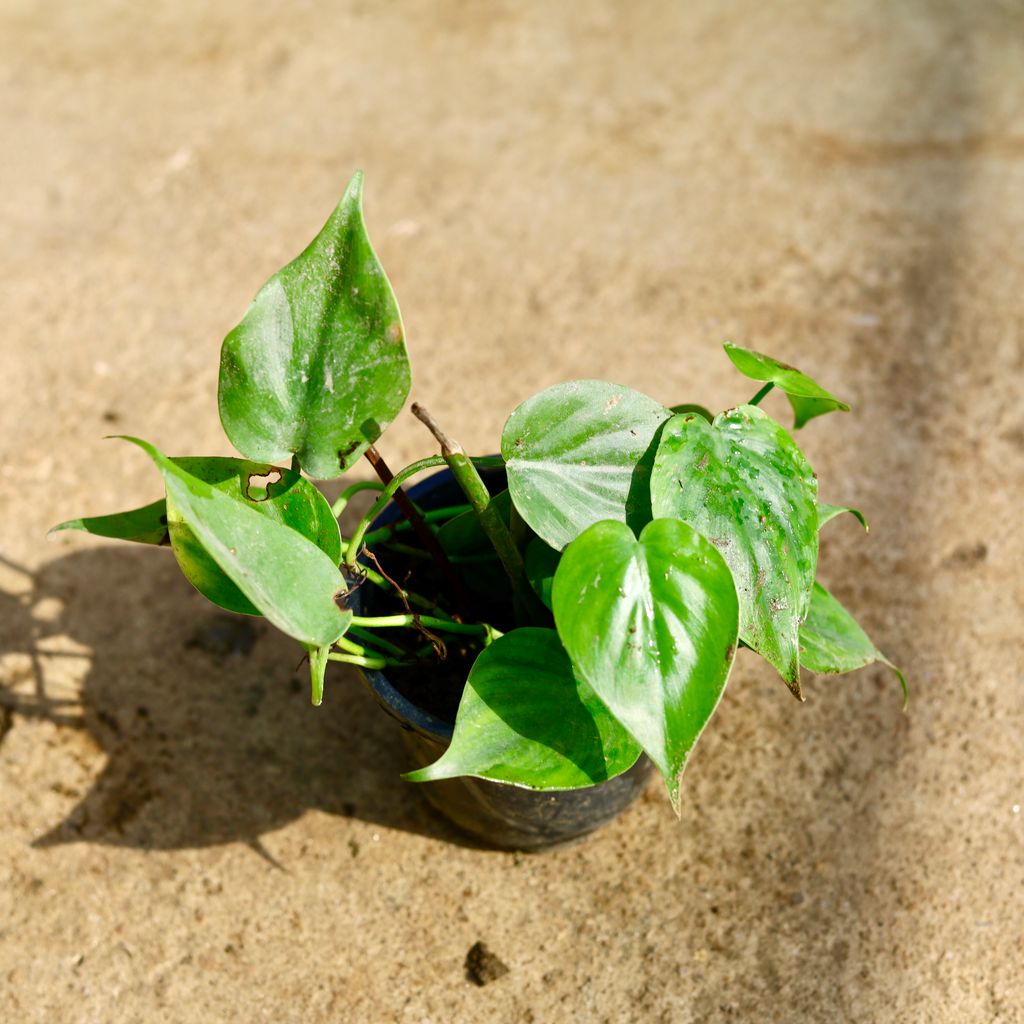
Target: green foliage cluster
{"type": "Point", "coordinates": [638, 544]}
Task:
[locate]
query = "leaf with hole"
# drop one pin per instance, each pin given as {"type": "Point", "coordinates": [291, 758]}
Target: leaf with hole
{"type": "Point", "coordinates": [807, 397]}
{"type": "Point", "coordinates": [318, 367]}
{"type": "Point", "coordinates": [284, 575]}
{"type": "Point", "coordinates": [831, 641]}
{"type": "Point", "coordinates": [651, 624]}
{"type": "Point", "coordinates": [744, 484]}
{"type": "Point", "coordinates": [282, 495]}
{"type": "Point", "coordinates": [506, 730]}
{"type": "Point", "coordinates": [579, 453]}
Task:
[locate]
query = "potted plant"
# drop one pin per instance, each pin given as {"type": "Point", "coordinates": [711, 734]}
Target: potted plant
{"type": "Point", "coordinates": [579, 598]}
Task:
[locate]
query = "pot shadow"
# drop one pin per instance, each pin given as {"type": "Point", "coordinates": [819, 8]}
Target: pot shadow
{"type": "Point", "coordinates": [204, 716]}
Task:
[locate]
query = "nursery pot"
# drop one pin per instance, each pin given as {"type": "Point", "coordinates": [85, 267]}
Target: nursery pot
{"type": "Point", "coordinates": [506, 816]}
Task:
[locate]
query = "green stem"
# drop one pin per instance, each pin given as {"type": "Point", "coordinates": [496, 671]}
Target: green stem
{"type": "Point", "coordinates": [344, 644]}
{"type": "Point", "coordinates": [764, 391]}
{"type": "Point", "coordinates": [355, 659]}
{"type": "Point", "coordinates": [430, 621]}
{"type": "Point", "coordinates": [467, 477]}
{"type": "Point", "coordinates": [351, 491]}
{"type": "Point", "coordinates": [369, 637]}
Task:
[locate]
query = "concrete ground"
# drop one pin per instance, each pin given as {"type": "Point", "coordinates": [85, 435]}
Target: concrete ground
{"type": "Point", "coordinates": [557, 190]}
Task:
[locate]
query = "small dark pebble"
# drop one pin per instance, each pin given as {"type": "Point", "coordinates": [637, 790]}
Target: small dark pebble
{"type": "Point", "coordinates": [224, 636]}
{"type": "Point", "coordinates": [482, 966]}
{"type": "Point", "coordinates": [965, 556]}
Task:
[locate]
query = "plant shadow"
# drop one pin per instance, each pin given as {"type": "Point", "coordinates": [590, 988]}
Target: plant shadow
{"type": "Point", "coordinates": [204, 716]}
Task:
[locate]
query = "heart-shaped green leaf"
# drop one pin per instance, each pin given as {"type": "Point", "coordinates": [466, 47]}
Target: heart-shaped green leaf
{"type": "Point", "coordinates": [831, 641]}
{"type": "Point", "coordinates": [651, 625]}
{"type": "Point", "coordinates": [744, 484]}
{"type": "Point", "coordinates": [826, 513]}
{"type": "Point", "coordinates": [807, 397]}
{"type": "Point", "coordinates": [281, 495]}
{"type": "Point", "coordinates": [318, 366]}
{"type": "Point", "coordinates": [147, 525]}
{"type": "Point", "coordinates": [524, 718]}
{"type": "Point", "coordinates": [285, 576]}
{"type": "Point", "coordinates": [581, 452]}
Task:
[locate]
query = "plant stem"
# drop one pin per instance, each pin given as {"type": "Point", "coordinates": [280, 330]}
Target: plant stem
{"type": "Point", "coordinates": [369, 637]}
{"type": "Point", "coordinates": [467, 477]}
{"type": "Point", "coordinates": [355, 659]}
{"type": "Point", "coordinates": [430, 621]}
{"type": "Point", "coordinates": [350, 492]}
{"type": "Point", "coordinates": [764, 391]}
{"type": "Point", "coordinates": [430, 544]}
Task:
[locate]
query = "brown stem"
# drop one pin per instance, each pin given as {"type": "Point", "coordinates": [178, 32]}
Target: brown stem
{"type": "Point", "coordinates": [426, 536]}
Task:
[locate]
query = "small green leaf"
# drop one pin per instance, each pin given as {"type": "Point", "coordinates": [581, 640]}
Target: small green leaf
{"type": "Point", "coordinates": [284, 575]}
{"type": "Point", "coordinates": [525, 719]}
{"type": "Point", "coordinates": [581, 452]}
{"type": "Point", "coordinates": [744, 484]}
{"type": "Point", "coordinates": [806, 396]}
{"type": "Point", "coordinates": [826, 513]}
{"type": "Point", "coordinates": [147, 525]}
{"type": "Point", "coordinates": [541, 562]}
{"type": "Point", "coordinates": [281, 495]}
{"type": "Point", "coordinates": [651, 625]}
{"type": "Point", "coordinates": [831, 641]}
{"type": "Point", "coordinates": [318, 366]}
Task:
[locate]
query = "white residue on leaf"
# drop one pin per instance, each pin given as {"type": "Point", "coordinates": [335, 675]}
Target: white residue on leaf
{"type": "Point", "coordinates": [329, 380]}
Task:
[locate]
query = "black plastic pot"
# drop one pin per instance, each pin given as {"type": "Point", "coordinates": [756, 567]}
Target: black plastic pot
{"type": "Point", "coordinates": [505, 816]}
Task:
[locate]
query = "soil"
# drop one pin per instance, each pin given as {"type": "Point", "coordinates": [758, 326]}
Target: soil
{"type": "Point", "coordinates": [558, 191]}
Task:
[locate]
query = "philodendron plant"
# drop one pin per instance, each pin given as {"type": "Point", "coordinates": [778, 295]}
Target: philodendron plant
{"type": "Point", "coordinates": [636, 546]}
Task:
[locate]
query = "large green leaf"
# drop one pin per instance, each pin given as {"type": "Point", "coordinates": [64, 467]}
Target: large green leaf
{"type": "Point", "coordinates": [279, 494]}
{"type": "Point", "coordinates": [743, 483]}
{"type": "Point", "coordinates": [318, 367]}
{"type": "Point", "coordinates": [651, 625]}
{"type": "Point", "coordinates": [524, 718]}
{"type": "Point", "coordinates": [147, 525]}
{"type": "Point", "coordinates": [579, 453]}
{"type": "Point", "coordinates": [831, 641]}
{"type": "Point", "coordinates": [284, 575]}
{"type": "Point", "coordinates": [807, 397]}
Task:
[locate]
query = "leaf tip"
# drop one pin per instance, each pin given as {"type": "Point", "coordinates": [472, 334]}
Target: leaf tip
{"type": "Point", "coordinates": [354, 189]}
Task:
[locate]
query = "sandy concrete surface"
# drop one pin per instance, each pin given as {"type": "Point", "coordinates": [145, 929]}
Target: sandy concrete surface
{"type": "Point", "coordinates": [557, 190]}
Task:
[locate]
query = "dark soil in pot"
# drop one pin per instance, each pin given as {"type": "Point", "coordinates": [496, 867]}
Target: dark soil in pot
{"type": "Point", "coordinates": [424, 703]}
